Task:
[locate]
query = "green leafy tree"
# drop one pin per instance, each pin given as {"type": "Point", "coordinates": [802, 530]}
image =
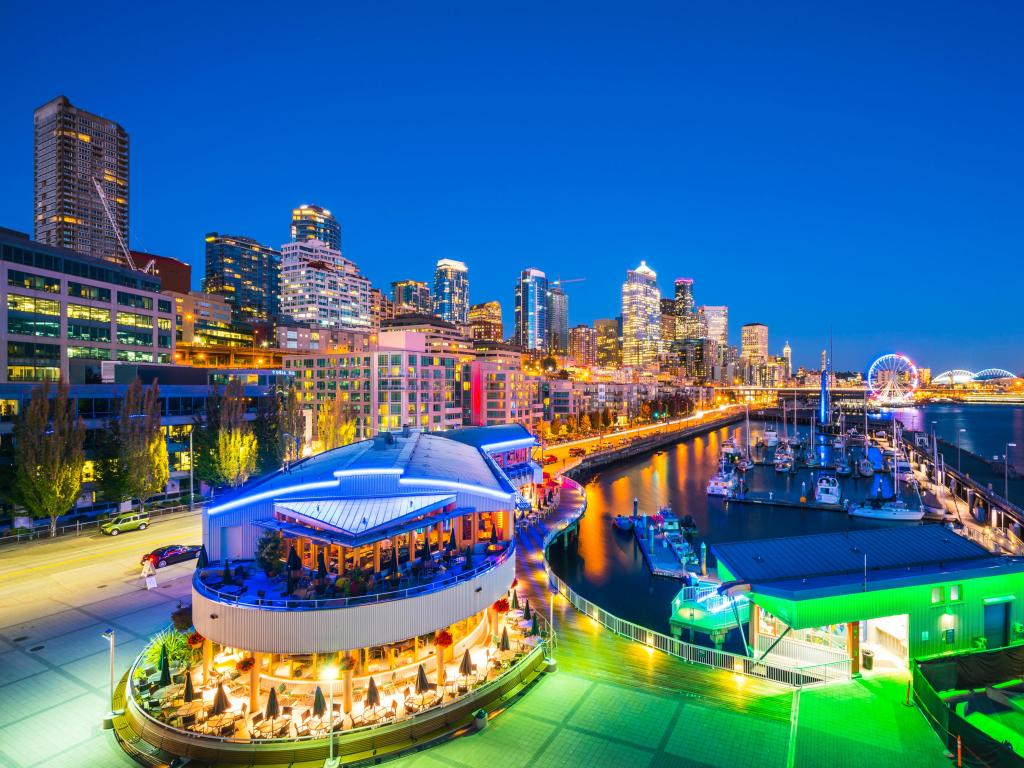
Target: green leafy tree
{"type": "Point", "coordinates": [48, 454]}
{"type": "Point", "coordinates": [335, 426]}
{"type": "Point", "coordinates": [270, 443]}
{"type": "Point", "coordinates": [557, 427]}
{"type": "Point", "coordinates": [236, 444]}
{"type": "Point", "coordinates": [596, 422]}
{"type": "Point", "coordinates": [609, 418]}
{"type": "Point", "coordinates": [270, 552]}
{"type": "Point", "coordinates": [293, 424]}
{"type": "Point", "coordinates": [133, 454]}
{"type": "Point", "coordinates": [204, 440]}
{"type": "Point", "coordinates": [585, 426]}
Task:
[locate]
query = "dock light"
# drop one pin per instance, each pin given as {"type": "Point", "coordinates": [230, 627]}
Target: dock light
{"type": "Point", "coordinates": [108, 720]}
{"type": "Point", "coordinates": [329, 674]}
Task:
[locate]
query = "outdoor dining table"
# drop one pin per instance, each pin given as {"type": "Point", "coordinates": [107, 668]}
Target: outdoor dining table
{"type": "Point", "coordinates": [531, 641]}
{"type": "Point", "coordinates": [515, 613]}
{"type": "Point", "coordinates": [189, 707]}
{"type": "Point", "coordinates": [525, 625]}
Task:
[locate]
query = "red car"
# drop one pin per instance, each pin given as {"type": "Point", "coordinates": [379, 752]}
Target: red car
{"type": "Point", "coordinates": [549, 459]}
{"type": "Point", "coordinates": [174, 553]}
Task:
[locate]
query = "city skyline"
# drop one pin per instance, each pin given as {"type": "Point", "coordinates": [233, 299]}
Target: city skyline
{"type": "Point", "coordinates": [667, 204]}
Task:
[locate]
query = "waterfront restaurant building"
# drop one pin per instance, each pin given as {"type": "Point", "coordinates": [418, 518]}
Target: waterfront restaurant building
{"type": "Point", "coordinates": [902, 593]}
{"type": "Point", "coordinates": [391, 568]}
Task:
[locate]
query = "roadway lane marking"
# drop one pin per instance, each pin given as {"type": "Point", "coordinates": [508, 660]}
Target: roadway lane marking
{"type": "Point", "coordinates": [56, 564]}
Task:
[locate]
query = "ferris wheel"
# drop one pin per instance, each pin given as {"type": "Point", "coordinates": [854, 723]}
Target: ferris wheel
{"type": "Point", "coordinates": [893, 379]}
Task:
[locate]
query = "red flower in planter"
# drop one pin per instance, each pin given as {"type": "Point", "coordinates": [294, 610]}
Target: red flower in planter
{"type": "Point", "coordinates": [443, 639]}
{"type": "Point", "coordinates": [502, 606]}
{"type": "Point", "coordinates": [244, 665]}
{"type": "Point", "coordinates": [195, 640]}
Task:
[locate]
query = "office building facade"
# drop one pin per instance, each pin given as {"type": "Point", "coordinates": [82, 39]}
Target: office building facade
{"type": "Point", "coordinates": [74, 150]}
{"type": "Point", "coordinates": [754, 341]}
{"type": "Point", "coordinates": [609, 343]}
{"type": "Point", "coordinates": [531, 310]}
{"type": "Point", "coordinates": [558, 321]}
{"type": "Point", "coordinates": [246, 273]}
{"type": "Point", "coordinates": [641, 317]}
{"type": "Point", "coordinates": [451, 291]}
{"type": "Point", "coordinates": [583, 345]}
{"type": "Point", "coordinates": [714, 324]}
{"type": "Point", "coordinates": [411, 297]}
{"type": "Point", "coordinates": [311, 222]}
{"type": "Point", "coordinates": [321, 287]}
{"type": "Point", "coordinates": [485, 322]}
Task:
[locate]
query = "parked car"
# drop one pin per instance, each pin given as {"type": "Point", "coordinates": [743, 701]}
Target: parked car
{"type": "Point", "coordinates": [550, 459]}
{"type": "Point", "coordinates": [173, 553]}
{"type": "Point", "coordinates": [128, 521]}
{"type": "Point", "coordinates": [577, 452]}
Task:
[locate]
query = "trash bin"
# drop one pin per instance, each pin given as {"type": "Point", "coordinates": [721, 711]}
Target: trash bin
{"type": "Point", "coordinates": [868, 659]}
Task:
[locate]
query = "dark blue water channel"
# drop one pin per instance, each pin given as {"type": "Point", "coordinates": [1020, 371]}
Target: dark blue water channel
{"type": "Point", "coordinates": [607, 566]}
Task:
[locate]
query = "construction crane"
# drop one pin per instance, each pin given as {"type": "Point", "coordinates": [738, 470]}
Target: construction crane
{"type": "Point", "coordinates": [117, 232]}
{"type": "Point", "coordinates": [560, 282]}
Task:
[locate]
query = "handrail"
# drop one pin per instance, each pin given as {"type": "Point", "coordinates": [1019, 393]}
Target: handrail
{"type": "Point", "coordinates": [297, 603]}
{"type": "Point", "coordinates": [43, 531]}
{"type": "Point", "coordinates": [132, 695]}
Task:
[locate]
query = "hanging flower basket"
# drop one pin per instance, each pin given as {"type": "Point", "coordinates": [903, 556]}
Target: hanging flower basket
{"type": "Point", "coordinates": [502, 605]}
{"type": "Point", "coordinates": [443, 639]}
{"type": "Point", "coordinates": [244, 665]}
{"type": "Point", "coordinates": [346, 663]}
{"type": "Point", "coordinates": [195, 640]}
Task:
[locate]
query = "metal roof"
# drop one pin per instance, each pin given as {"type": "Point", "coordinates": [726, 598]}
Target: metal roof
{"type": "Point", "coordinates": [822, 556]}
{"type": "Point", "coordinates": [358, 516]}
{"type": "Point", "coordinates": [482, 437]}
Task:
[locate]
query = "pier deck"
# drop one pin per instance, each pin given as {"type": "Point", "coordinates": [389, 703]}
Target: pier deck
{"type": "Point", "coordinates": [661, 559]}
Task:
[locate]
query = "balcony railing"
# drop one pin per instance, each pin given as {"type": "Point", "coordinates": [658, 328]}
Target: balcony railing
{"type": "Point", "coordinates": [310, 604]}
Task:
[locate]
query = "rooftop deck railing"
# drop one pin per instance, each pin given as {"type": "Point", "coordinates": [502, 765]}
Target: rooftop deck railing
{"type": "Point", "coordinates": [309, 604]}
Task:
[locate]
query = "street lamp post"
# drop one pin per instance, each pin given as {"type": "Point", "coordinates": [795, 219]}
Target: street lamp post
{"type": "Point", "coordinates": [108, 719]}
{"type": "Point", "coordinates": [191, 471]}
{"type": "Point", "coordinates": [330, 674]}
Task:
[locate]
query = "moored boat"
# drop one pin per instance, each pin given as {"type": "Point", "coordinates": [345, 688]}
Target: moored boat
{"type": "Point", "coordinates": [827, 491]}
{"type": "Point", "coordinates": [623, 522]}
{"type": "Point", "coordinates": [895, 509]}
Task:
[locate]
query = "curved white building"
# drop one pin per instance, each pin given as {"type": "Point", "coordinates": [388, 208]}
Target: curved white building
{"type": "Point", "coordinates": [385, 564]}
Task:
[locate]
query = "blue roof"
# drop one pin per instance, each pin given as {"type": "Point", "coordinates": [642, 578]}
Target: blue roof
{"type": "Point", "coordinates": [482, 437]}
{"type": "Point", "coordinates": [833, 563]}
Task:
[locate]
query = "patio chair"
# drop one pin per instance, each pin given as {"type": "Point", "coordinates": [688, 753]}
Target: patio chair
{"type": "Point", "coordinates": [227, 730]}
{"type": "Point", "coordinates": [287, 711]}
{"type": "Point", "coordinates": [188, 721]}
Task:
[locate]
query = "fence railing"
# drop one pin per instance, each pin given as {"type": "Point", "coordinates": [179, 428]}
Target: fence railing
{"type": "Point", "coordinates": [85, 526]}
{"type": "Point", "coordinates": [801, 652]}
{"type": "Point", "coordinates": [309, 604]}
{"type": "Point", "coordinates": [792, 675]}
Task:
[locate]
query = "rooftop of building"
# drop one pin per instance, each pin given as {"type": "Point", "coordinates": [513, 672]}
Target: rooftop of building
{"type": "Point", "coordinates": [425, 463]}
{"type": "Point", "coordinates": [495, 437]}
{"type": "Point", "coordinates": [830, 564]}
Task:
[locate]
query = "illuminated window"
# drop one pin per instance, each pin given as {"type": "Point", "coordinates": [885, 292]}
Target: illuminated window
{"type": "Point", "coordinates": [955, 593]}
{"type": "Point", "coordinates": [20, 303]}
{"type": "Point", "coordinates": [133, 320]}
{"type": "Point", "coordinates": [936, 595]}
{"type": "Point", "coordinates": [82, 312]}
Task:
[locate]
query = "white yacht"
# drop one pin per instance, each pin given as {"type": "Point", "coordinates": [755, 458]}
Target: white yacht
{"type": "Point", "coordinates": [896, 509]}
{"type": "Point", "coordinates": [827, 490]}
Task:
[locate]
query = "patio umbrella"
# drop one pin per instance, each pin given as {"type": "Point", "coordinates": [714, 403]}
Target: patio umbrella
{"type": "Point", "coordinates": [273, 708]}
{"type": "Point", "coordinates": [526, 610]}
{"type": "Point", "coordinates": [469, 558]}
{"type": "Point", "coordinates": [203, 560]}
{"type": "Point", "coordinates": [451, 540]}
{"type": "Point", "coordinates": [504, 644]}
{"type": "Point", "coordinates": [515, 600]}
{"type": "Point", "coordinates": [220, 701]}
{"type": "Point", "coordinates": [372, 695]}
{"type": "Point", "coordinates": [321, 566]}
{"type": "Point", "coordinates": [422, 686]}
{"type": "Point", "coordinates": [226, 577]}
{"type": "Point", "coordinates": [319, 703]}
{"type": "Point", "coordinates": [165, 667]}
{"type": "Point", "coordinates": [466, 667]}
{"type": "Point", "coordinates": [494, 535]}
{"type": "Point", "coordinates": [535, 629]}
{"type": "Point", "coordinates": [294, 561]}
{"type": "Point", "coordinates": [190, 693]}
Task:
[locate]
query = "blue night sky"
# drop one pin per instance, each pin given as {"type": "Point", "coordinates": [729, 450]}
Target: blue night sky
{"type": "Point", "coordinates": [853, 165]}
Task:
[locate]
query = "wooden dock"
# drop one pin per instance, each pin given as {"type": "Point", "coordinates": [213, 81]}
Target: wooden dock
{"type": "Point", "coordinates": [776, 501]}
{"type": "Point", "coordinates": [661, 559]}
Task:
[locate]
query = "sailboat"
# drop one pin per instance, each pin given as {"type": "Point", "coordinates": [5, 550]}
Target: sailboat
{"type": "Point", "coordinates": [893, 509]}
{"type": "Point", "coordinates": [864, 466]}
{"type": "Point", "coordinates": [747, 462]}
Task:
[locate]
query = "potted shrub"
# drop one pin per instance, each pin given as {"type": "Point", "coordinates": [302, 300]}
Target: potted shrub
{"type": "Point", "coordinates": [269, 552]}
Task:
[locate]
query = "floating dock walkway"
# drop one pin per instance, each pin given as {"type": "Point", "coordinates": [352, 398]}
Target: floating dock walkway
{"type": "Point", "coordinates": [661, 559]}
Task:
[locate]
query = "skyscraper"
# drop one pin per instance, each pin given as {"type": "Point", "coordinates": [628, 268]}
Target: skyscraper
{"type": "Point", "coordinates": [451, 291]}
{"type": "Point", "coordinates": [684, 297]}
{"type": "Point", "coordinates": [754, 342]}
{"type": "Point", "coordinates": [73, 150]}
{"type": "Point", "coordinates": [609, 349]}
{"type": "Point", "coordinates": [641, 317]}
{"type": "Point", "coordinates": [531, 310]}
{"type": "Point", "coordinates": [321, 287]}
{"type": "Point", "coordinates": [411, 297]}
{"type": "Point", "coordinates": [558, 321]}
{"type": "Point", "coordinates": [714, 322]}
{"type": "Point", "coordinates": [787, 360]}
{"type": "Point", "coordinates": [246, 273]}
{"type": "Point", "coordinates": [485, 322]}
{"type": "Point", "coordinates": [583, 345]}
{"type": "Point", "coordinates": [311, 222]}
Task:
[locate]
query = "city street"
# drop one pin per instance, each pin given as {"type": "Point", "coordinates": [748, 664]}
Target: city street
{"type": "Point", "coordinates": [56, 598]}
